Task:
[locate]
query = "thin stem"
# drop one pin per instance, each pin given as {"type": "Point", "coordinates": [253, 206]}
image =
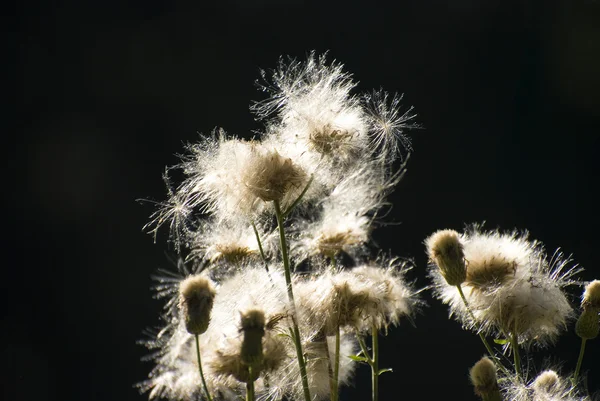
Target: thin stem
{"type": "Point", "coordinates": [336, 366]}
{"type": "Point", "coordinates": [514, 343]}
{"type": "Point", "coordinates": [290, 292]}
{"type": "Point", "coordinates": [200, 369]}
{"type": "Point", "coordinates": [250, 386]}
{"type": "Point", "coordinates": [375, 362]}
{"type": "Point", "coordinates": [260, 248]}
{"type": "Point", "coordinates": [579, 360]}
{"type": "Point", "coordinates": [299, 198]}
{"type": "Point", "coordinates": [481, 336]}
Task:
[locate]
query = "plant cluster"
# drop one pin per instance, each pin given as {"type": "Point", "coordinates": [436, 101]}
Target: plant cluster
{"type": "Point", "coordinates": [278, 290]}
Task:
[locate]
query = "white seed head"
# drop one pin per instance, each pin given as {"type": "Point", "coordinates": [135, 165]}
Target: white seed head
{"type": "Point", "coordinates": [511, 287]}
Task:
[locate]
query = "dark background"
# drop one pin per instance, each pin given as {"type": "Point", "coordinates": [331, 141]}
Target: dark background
{"type": "Point", "coordinates": [508, 93]}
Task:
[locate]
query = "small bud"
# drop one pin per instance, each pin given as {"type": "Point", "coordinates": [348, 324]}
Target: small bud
{"type": "Point", "coordinates": [591, 296]}
{"type": "Point", "coordinates": [484, 379]}
{"type": "Point", "coordinates": [196, 298]}
{"type": "Point", "coordinates": [588, 325]}
{"type": "Point", "coordinates": [253, 327]}
{"type": "Point", "coordinates": [547, 382]}
{"type": "Point", "coordinates": [446, 251]}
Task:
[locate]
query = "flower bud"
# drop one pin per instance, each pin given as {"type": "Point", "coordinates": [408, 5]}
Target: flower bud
{"type": "Point", "coordinates": [446, 251]}
{"type": "Point", "coordinates": [591, 296]}
{"type": "Point", "coordinates": [588, 325]}
{"type": "Point", "coordinates": [196, 298]}
{"type": "Point", "coordinates": [253, 327]}
{"type": "Point", "coordinates": [547, 382]}
{"type": "Point", "coordinates": [484, 379]}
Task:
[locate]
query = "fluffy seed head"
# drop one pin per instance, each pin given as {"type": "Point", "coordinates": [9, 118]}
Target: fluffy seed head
{"type": "Point", "coordinates": [547, 382]}
{"type": "Point", "coordinates": [196, 297]}
{"type": "Point", "coordinates": [270, 176]}
{"type": "Point", "coordinates": [591, 296]}
{"type": "Point", "coordinates": [511, 286]}
{"type": "Point", "coordinates": [446, 251]}
{"type": "Point", "coordinates": [484, 379]}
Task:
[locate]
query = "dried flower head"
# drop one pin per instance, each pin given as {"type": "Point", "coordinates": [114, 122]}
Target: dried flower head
{"type": "Point", "coordinates": [547, 386]}
{"type": "Point", "coordinates": [547, 382]}
{"type": "Point", "coordinates": [511, 287]}
{"type": "Point", "coordinates": [196, 297]}
{"type": "Point", "coordinates": [484, 379]}
{"type": "Point", "coordinates": [591, 295]}
{"type": "Point", "coordinates": [387, 124]}
{"type": "Point", "coordinates": [365, 297]}
{"type": "Point", "coordinates": [446, 251]}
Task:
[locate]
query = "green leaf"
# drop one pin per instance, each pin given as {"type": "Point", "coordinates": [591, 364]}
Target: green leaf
{"type": "Point", "coordinates": [357, 358]}
{"type": "Point", "coordinates": [384, 370]}
{"type": "Point", "coordinates": [501, 341]}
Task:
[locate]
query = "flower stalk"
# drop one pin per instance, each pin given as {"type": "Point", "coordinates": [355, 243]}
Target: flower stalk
{"type": "Point", "coordinates": [290, 292]}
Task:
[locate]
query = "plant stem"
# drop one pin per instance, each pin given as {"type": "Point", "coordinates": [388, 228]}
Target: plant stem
{"type": "Point", "coordinates": [200, 369]}
{"type": "Point", "coordinates": [336, 367]}
{"type": "Point", "coordinates": [579, 361]}
{"type": "Point", "coordinates": [290, 292]}
{"type": "Point", "coordinates": [260, 248]}
{"type": "Point", "coordinates": [375, 362]}
{"type": "Point", "coordinates": [299, 198]}
{"type": "Point", "coordinates": [250, 386]}
{"type": "Point", "coordinates": [481, 336]}
{"type": "Point", "coordinates": [514, 343]}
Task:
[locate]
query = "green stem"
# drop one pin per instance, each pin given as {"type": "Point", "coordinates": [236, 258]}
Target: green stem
{"type": "Point", "coordinates": [579, 360]}
{"type": "Point", "coordinates": [250, 386]}
{"type": "Point", "coordinates": [290, 292]}
{"type": "Point", "coordinates": [481, 336]}
{"type": "Point", "coordinates": [260, 248]}
{"type": "Point", "coordinates": [336, 366]}
{"type": "Point", "coordinates": [299, 198]}
{"type": "Point", "coordinates": [375, 362]}
{"type": "Point", "coordinates": [514, 343]}
{"type": "Point", "coordinates": [200, 370]}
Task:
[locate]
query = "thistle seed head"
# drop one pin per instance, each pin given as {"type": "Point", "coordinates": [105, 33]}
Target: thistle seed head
{"type": "Point", "coordinates": [253, 328]}
{"type": "Point", "coordinates": [547, 382]}
{"type": "Point", "coordinates": [591, 296]}
{"type": "Point", "coordinates": [483, 377]}
{"type": "Point", "coordinates": [196, 297]}
{"type": "Point", "coordinates": [446, 251]}
{"type": "Point", "coordinates": [270, 176]}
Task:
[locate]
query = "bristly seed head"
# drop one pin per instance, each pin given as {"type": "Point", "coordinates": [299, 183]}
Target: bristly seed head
{"type": "Point", "coordinates": [484, 379]}
{"type": "Point", "coordinates": [591, 296]}
{"type": "Point", "coordinates": [446, 251]}
{"type": "Point", "coordinates": [196, 298]}
{"type": "Point", "coordinates": [547, 382]}
{"type": "Point", "coordinates": [331, 245]}
{"type": "Point", "coordinates": [491, 272]}
{"type": "Point", "coordinates": [270, 176]}
{"type": "Point", "coordinates": [328, 139]}
{"type": "Point", "coordinates": [253, 328]}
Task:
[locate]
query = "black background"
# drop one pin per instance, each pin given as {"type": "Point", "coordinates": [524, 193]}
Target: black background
{"type": "Point", "coordinates": [508, 93]}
